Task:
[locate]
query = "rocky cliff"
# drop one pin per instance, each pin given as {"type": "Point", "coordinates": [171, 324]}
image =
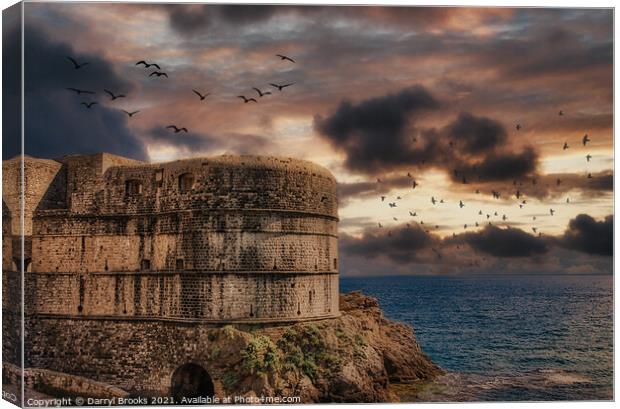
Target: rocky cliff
{"type": "Point", "coordinates": [353, 358]}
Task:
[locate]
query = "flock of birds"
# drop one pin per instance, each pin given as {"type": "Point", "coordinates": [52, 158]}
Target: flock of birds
{"type": "Point", "coordinates": [158, 73]}
{"type": "Point", "coordinates": [260, 93]}
{"type": "Point", "coordinates": [483, 217]}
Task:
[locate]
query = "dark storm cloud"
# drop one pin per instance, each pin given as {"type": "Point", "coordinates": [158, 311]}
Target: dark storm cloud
{"type": "Point", "coordinates": [54, 119]}
{"type": "Point", "coordinates": [365, 189]}
{"type": "Point", "coordinates": [508, 242]}
{"type": "Point", "coordinates": [476, 134]}
{"type": "Point", "coordinates": [373, 133]}
{"type": "Point", "coordinates": [587, 235]}
{"type": "Point", "coordinates": [401, 245]}
{"type": "Point", "coordinates": [498, 166]}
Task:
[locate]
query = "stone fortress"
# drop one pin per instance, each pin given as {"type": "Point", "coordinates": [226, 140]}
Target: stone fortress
{"type": "Point", "coordinates": [127, 264]}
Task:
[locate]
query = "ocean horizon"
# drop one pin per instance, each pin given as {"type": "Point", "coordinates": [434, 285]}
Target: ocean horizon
{"type": "Point", "coordinates": [509, 337]}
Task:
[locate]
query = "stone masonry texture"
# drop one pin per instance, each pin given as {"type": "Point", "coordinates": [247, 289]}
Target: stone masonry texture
{"type": "Point", "coordinates": [131, 261]}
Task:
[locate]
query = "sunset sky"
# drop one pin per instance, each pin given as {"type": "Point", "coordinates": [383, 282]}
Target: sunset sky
{"type": "Point", "coordinates": [379, 92]}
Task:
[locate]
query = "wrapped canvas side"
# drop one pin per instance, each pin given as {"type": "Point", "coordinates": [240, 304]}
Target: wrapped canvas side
{"type": "Point", "coordinates": [13, 256]}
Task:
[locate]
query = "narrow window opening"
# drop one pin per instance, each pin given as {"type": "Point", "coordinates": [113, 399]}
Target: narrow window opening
{"type": "Point", "coordinates": [180, 265]}
{"type": "Point", "coordinates": [186, 182]}
{"type": "Point", "coordinates": [145, 264]}
{"type": "Point", "coordinates": [133, 187]}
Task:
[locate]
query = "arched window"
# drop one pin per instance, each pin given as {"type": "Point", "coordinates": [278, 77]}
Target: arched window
{"type": "Point", "coordinates": [133, 187]}
{"type": "Point", "coordinates": [186, 182]}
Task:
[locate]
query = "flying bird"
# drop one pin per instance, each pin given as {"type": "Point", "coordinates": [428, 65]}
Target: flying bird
{"type": "Point", "coordinates": [285, 58]}
{"type": "Point", "coordinates": [518, 127]}
{"type": "Point", "coordinates": [585, 139]}
{"type": "Point", "coordinates": [551, 211]}
{"type": "Point", "coordinates": [561, 113]}
{"type": "Point", "coordinates": [147, 65]}
{"type": "Point", "coordinates": [589, 176]}
{"type": "Point", "coordinates": [246, 100]}
{"type": "Point", "coordinates": [202, 97]}
{"type": "Point", "coordinates": [534, 229]}
{"type": "Point", "coordinates": [565, 146]}
{"type": "Point", "coordinates": [130, 113]}
{"type": "Point", "coordinates": [414, 184]}
{"type": "Point", "coordinates": [88, 104]}
{"type": "Point", "coordinates": [176, 129]}
{"type": "Point", "coordinates": [80, 91]}
{"type": "Point", "coordinates": [380, 225]}
{"type": "Point", "coordinates": [393, 204]}
{"type": "Point", "coordinates": [433, 200]}
{"type": "Point", "coordinates": [588, 157]}
{"type": "Point", "coordinates": [383, 198]}
{"type": "Point", "coordinates": [412, 214]}
{"type": "Point", "coordinates": [159, 74]}
{"type": "Point", "coordinates": [112, 95]}
{"type": "Point", "coordinates": [261, 93]}
{"type": "Point", "coordinates": [461, 204]}
{"type": "Point", "coordinates": [558, 182]}
{"type": "Point", "coordinates": [76, 65]}
{"type": "Point", "coordinates": [281, 87]}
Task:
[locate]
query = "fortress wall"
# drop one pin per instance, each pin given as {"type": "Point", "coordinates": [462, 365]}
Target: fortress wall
{"type": "Point", "coordinates": [205, 241]}
{"type": "Point", "coordinates": [136, 356]}
{"type": "Point", "coordinates": [182, 296]}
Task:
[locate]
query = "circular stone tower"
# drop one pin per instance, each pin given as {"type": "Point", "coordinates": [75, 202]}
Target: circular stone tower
{"type": "Point", "coordinates": [223, 239]}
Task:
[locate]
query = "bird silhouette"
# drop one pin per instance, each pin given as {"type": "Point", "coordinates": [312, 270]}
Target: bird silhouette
{"type": "Point", "coordinates": [551, 211]}
{"type": "Point", "coordinates": [461, 204]}
{"type": "Point", "coordinates": [395, 219]}
{"type": "Point", "coordinates": [495, 194]}
{"type": "Point", "coordinates": [412, 214]}
{"type": "Point", "coordinates": [568, 200]}
{"type": "Point", "coordinates": [565, 146]}
{"type": "Point", "coordinates": [534, 229]}
{"type": "Point", "coordinates": [88, 104]}
{"type": "Point", "coordinates": [130, 114]}
{"type": "Point", "coordinates": [383, 198]}
{"type": "Point", "coordinates": [585, 139]}
{"type": "Point", "coordinates": [392, 204]}
{"type": "Point", "coordinates": [561, 113]}
{"type": "Point", "coordinates": [285, 58]}
{"type": "Point", "coordinates": [112, 95]}
{"type": "Point", "coordinates": [159, 74]}
{"type": "Point", "coordinates": [281, 87]}
{"type": "Point", "coordinates": [147, 65]}
{"type": "Point", "coordinates": [76, 65]}
{"type": "Point", "coordinates": [176, 129]}
{"type": "Point", "coordinates": [480, 212]}
{"type": "Point", "coordinates": [588, 157]}
{"type": "Point", "coordinates": [414, 184]}
{"type": "Point", "coordinates": [589, 176]}
{"type": "Point", "coordinates": [433, 201]}
{"type": "Point", "coordinates": [409, 175]}
{"type": "Point", "coordinates": [380, 225]}
{"type": "Point", "coordinates": [378, 180]}
{"type": "Point", "coordinates": [202, 97]}
{"type": "Point", "coordinates": [518, 127]}
{"type": "Point", "coordinates": [558, 182]}
{"type": "Point", "coordinates": [80, 91]}
{"type": "Point", "coordinates": [398, 198]}
{"type": "Point", "coordinates": [246, 100]}
{"type": "Point", "coordinates": [261, 93]}
{"type": "Point", "coordinates": [504, 218]}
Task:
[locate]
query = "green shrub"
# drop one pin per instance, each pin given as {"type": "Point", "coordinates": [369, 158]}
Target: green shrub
{"type": "Point", "coordinates": [305, 349]}
{"type": "Point", "coordinates": [260, 356]}
{"type": "Point", "coordinates": [230, 380]}
{"type": "Point", "coordinates": [229, 331]}
{"type": "Point", "coordinates": [215, 353]}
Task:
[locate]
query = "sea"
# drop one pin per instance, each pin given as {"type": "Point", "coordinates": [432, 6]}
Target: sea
{"type": "Point", "coordinates": [505, 338]}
